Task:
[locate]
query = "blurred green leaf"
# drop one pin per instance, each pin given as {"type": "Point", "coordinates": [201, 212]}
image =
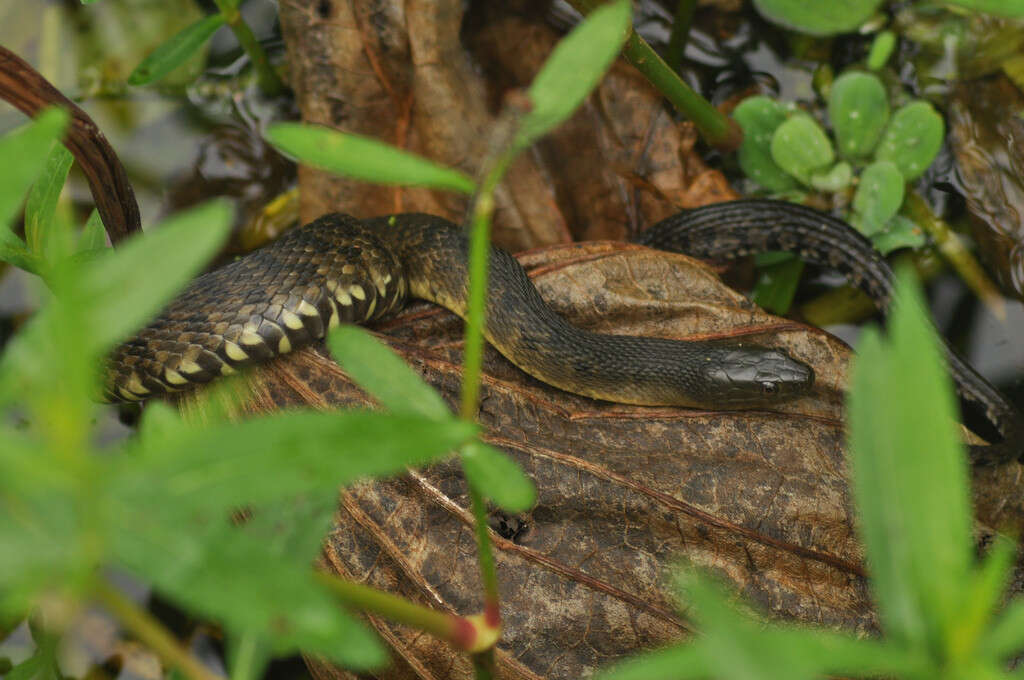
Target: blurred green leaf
{"type": "Point", "coordinates": [1006, 637]}
{"type": "Point", "coordinates": [573, 69]}
{"type": "Point", "coordinates": [383, 374]}
{"type": "Point", "coordinates": [881, 49]}
{"type": "Point", "coordinates": [776, 285]}
{"type": "Point", "coordinates": [223, 572]}
{"type": "Point", "coordinates": [176, 51]}
{"type": "Point", "coordinates": [878, 198]}
{"type": "Point", "coordinates": [859, 109]}
{"type": "Point", "coordinates": [818, 18]}
{"type": "Point", "coordinates": [94, 235]}
{"type": "Point", "coordinates": [983, 594]}
{"type": "Point", "coordinates": [912, 139]}
{"type": "Point", "coordinates": [364, 158]}
{"type": "Point", "coordinates": [43, 233]}
{"type": "Point", "coordinates": [800, 147]}
{"type": "Point", "coordinates": [910, 477]}
{"type": "Point", "coordinates": [759, 117]}
{"type": "Point", "coordinates": [26, 153]}
{"type": "Point", "coordinates": [272, 458]}
{"type": "Point", "coordinates": [498, 477]}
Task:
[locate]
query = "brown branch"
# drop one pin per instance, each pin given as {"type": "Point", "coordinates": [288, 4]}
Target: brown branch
{"type": "Point", "coordinates": [29, 91]}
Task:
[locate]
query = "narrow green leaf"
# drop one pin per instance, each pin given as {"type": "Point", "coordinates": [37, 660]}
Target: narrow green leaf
{"type": "Point", "coordinates": [94, 235]}
{"type": "Point", "coordinates": [859, 110]}
{"type": "Point", "coordinates": [25, 154]}
{"type": "Point", "coordinates": [498, 477]}
{"type": "Point", "coordinates": [121, 290]}
{"type": "Point", "coordinates": [383, 374]}
{"type": "Point", "coordinates": [878, 197]}
{"type": "Point", "coordinates": [910, 476]}
{"type": "Point", "coordinates": [176, 51]}
{"type": "Point", "coordinates": [681, 662]}
{"type": "Point", "coordinates": [573, 69]}
{"type": "Point", "coordinates": [1006, 637]}
{"type": "Point", "coordinates": [364, 158]}
{"type": "Point", "coordinates": [760, 117]}
{"type": "Point", "coordinates": [984, 592]}
{"type": "Point", "coordinates": [800, 147]}
{"type": "Point", "coordinates": [41, 229]}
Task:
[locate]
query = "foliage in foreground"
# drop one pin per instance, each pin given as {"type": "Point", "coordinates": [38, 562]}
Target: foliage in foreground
{"type": "Point", "coordinates": [939, 606]}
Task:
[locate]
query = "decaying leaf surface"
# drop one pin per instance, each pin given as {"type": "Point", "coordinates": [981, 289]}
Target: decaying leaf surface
{"type": "Point", "coordinates": [988, 139]}
{"type": "Point", "coordinates": [398, 72]}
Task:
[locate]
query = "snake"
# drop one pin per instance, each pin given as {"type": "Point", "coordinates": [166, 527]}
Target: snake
{"type": "Point", "coordinates": [340, 269]}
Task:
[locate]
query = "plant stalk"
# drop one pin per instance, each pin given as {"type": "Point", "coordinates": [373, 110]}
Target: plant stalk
{"type": "Point", "coordinates": [267, 77]}
{"type": "Point", "coordinates": [457, 630]}
{"type": "Point", "coordinates": [151, 633]}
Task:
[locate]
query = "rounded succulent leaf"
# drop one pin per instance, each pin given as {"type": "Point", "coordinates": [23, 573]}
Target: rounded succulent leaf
{"type": "Point", "coordinates": [900, 232]}
{"type": "Point", "coordinates": [836, 178]}
{"type": "Point", "coordinates": [859, 110]}
{"type": "Point", "coordinates": [879, 196]}
{"type": "Point", "coordinates": [800, 147]}
{"type": "Point", "coordinates": [912, 139]}
{"type": "Point", "coordinates": [818, 18]}
{"type": "Point", "coordinates": [759, 117]}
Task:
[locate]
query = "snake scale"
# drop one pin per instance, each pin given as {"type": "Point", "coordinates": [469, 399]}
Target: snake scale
{"type": "Point", "coordinates": [339, 269]}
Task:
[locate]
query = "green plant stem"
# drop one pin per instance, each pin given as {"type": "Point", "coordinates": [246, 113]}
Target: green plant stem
{"type": "Point", "coordinates": [717, 129]}
{"type": "Point", "coordinates": [268, 79]}
{"type": "Point", "coordinates": [454, 629]}
{"type": "Point", "coordinates": [151, 633]}
{"type": "Point", "coordinates": [680, 32]}
{"type": "Point", "coordinates": [953, 249]}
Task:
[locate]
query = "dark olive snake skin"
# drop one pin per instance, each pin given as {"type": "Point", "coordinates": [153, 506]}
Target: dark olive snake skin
{"type": "Point", "coordinates": [338, 269]}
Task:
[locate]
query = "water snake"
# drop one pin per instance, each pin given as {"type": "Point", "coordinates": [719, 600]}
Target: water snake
{"type": "Point", "coordinates": [340, 269]}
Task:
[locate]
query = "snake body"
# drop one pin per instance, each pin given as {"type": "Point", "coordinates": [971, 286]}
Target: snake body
{"type": "Point", "coordinates": [338, 269]}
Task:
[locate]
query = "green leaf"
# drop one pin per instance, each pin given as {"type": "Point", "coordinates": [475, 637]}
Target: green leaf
{"type": "Point", "coordinates": [859, 109]}
{"type": "Point", "coordinates": [498, 477]}
{"type": "Point", "coordinates": [912, 139]}
{"type": "Point", "coordinates": [176, 51]}
{"type": "Point", "coordinates": [984, 592]}
{"type": "Point", "coordinates": [364, 158]}
{"type": "Point", "coordinates": [910, 476]}
{"type": "Point", "coordinates": [25, 153]}
{"type": "Point", "coordinates": [121, 290]}
{"type": "Point", "coordinates": [776, 285]}
{"type": "Point", "coordinates": [899, 232]}
{"type": "Point", "coordinates": [881, 49]}
{"type": "Point", "coordinates": [833, 180]}
{"type": "Point", "coordinates": [573, 69]}
{"type": "Point", "coordinates": [759, 117]}
{"type": "Point", "coordinates": [1006, 637]}
{"type": "Point", "coordinates": [43, 233]}
{"type": "Point", "coordinates": [818, 18]}
{"type": "Point", "coordinates": [383, 374]}
{"type": "Point", "coordinates": [878, 198]}
{"type": "Point", "coordinates": [94, 235]}
{"type": "Point", "coordinates": [1006, 8]}
{"type": "Point", "coordinates": [800, 147]}
{"type": "Point", "coordinates": [273, 458]}
{"type": "Point", "coordinates": [681, 662]}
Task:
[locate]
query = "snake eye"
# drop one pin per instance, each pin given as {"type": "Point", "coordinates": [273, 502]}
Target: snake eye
{"type": "Point", "coordinates": [769, 387]}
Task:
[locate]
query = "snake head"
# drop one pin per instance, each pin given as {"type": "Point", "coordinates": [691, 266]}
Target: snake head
{"type": "Point", "coordinates": [752, 377]}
